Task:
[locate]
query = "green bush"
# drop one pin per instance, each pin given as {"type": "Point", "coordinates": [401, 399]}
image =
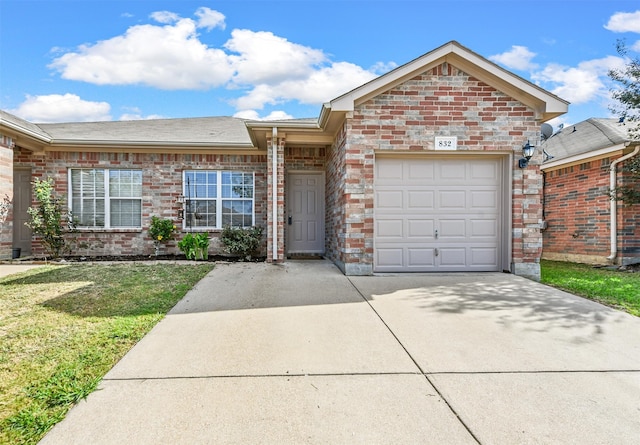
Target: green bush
{"type": "Point", "coordinates": [161, 230]}
{"type": "Point", "coordinates": [243, 242]}
{"type": "Point", "coordinates": [195, 246]}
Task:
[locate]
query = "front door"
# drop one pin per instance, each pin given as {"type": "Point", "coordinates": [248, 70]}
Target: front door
{"type": "Point", "coordinates": [21, 202]}
{"type": "Point", "coordinates": [305, 213]}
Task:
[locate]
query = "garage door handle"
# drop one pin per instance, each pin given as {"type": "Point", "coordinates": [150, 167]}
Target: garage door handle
{"type": "Point", "coordinates": [437, 253]}
{"type": "Point", "coordinates": [436, 234]}
{"type": "Point", "coordinates": [289, 221]}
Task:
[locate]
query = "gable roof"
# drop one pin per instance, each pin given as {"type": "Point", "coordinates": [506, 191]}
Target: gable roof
{"type": "Point", "coordinates": [590, 139]}
{"type": "Point", "coordinates": [545, 104]}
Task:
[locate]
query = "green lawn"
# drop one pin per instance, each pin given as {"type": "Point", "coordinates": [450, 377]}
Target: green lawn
{"type": "Point", "coordinates": [63, 327]}
{"type": "Point", "coordinates": [614, 288]}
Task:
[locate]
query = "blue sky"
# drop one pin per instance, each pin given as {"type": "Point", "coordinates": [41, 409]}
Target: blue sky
{"type": "Point", "coordinates": [96, 60]}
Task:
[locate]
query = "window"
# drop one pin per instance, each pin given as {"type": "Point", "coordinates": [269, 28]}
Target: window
{"type": "Point", "coordinates": [106, 198]}
{"type": "Point", "coordinates": [215, 199]}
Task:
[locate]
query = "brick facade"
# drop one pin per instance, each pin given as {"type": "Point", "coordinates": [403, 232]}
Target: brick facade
{"type": "Point", "coordinates": [162, 184]}
{"type": "Point", "coordinates": [577, 213]}
{"type": "Point", "coordinates": [443, 101]}
{"type": "Point", "coordinates": [6, 196]}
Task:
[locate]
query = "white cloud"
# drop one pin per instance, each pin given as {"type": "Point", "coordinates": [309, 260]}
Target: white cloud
{"type": "Point", "coordinates": [518, 58]}
{"type": "Point", "coordinates": [263, 57]}
{"type": "Point", "coordinates": [166, 17]}
{"type": "Point", "coordinates": [253, 115]}
{"type": "Point", "coordinates": [209, 19]}
{"type": "Point", "coordinates": [257, 68]}
{"type": "Point", "coordinates": [582, 83]}
{"type": "Point", "coordinates": [624, 22]}
{"type": "Point", "coordinates": [636, 46]}
{"type": "Point", "coordinates": [62, 108]}
{"type": "Point", "coordinates": [167, 57]}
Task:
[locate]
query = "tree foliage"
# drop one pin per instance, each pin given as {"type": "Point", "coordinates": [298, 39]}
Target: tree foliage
{"type": "Point", "coordinates": [627, 95]}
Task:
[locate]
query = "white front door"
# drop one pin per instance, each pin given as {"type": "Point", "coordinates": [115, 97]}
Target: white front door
{"type": "Point", "coordinates": [305, 213]}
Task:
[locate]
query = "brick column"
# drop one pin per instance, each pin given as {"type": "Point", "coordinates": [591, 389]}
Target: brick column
{"type": "Point", "coordinates": [6, 196]}
{"type": "Point", "coordinates": [276, 175]}
{"type": "Point", "coordinates": [527, 216]}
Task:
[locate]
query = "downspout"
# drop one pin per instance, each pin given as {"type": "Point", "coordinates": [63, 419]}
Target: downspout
{"type": "Point", "coordinates": [613, 225]}
{"type": "Point", "coordinates": [274, 192]}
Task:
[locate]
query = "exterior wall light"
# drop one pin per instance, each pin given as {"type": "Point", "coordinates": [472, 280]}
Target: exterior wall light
{"type": "Point", "coordinates": [527, 152]}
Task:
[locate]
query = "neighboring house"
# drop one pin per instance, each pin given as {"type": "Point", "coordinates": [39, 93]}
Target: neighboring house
{"type": "Point", "coordinates": [585, 163]}
{"type": "Point", "coordinates": [416, 171]}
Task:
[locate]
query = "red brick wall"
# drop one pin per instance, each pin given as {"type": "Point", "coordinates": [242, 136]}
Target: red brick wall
{"type": "Point", "coordinates": [443, 101]}
{"type": "Point", "coordinates": [577, 212]}
{"type": "Point", "coordinates": [335, 198]}
{"type": "Point", "coordinates": [162, 184]}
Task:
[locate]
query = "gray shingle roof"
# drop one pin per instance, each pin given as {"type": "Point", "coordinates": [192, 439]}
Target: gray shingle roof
{"type": "Point", "coordinates": [205, 130]}
{"type": "Point", "coordinates": [586, 136]}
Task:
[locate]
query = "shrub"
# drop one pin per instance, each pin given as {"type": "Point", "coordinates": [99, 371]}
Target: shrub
{"type": "Point", "coordinates": [161, 230]}
{"type": "Point", "coordinates": [49, 219]}
{"type": "Point", "coordinates": [241, 241]}
{"type": "Point", "coordinates": [195, 246]}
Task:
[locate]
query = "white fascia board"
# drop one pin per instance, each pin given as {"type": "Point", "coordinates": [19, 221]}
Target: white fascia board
{"type": "Point", "coordinates": [579, 158]}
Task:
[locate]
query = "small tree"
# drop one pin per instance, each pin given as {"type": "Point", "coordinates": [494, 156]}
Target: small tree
{"type": "Point", "coordinates": [628, 109]}
{"type": "Point", "coordinates": [49, 219]}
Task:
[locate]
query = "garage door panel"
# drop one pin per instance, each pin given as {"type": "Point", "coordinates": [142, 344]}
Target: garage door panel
{"type": "Point", "coordinates": [482, 228]}
{"type": "Point", "coordinates": [420, 257]}
{"type": "Point", "coordinates": [484, 199]}
{"type": "Point", "coordinates": [389, 228]}
{"type": "Point", "coordinates": [484, 256]}
{"type": "Point", "coordinates": [420, 199]}
{"type": "Point", "coordinates": [390, 259]}
{"type": "Point", "coordinates": [459, 198]}
{"type": "Point", "coordinates": [389, 199]}
{"type": "Point", "coordinates": [419, 172]}
{"type": "Point", "coordinates": [420, 228]}
{"type": "Point", "coordinates": [484, 172]}
{"type": "Point", "coordinates": [452, 228]}
{"type": "Point", "coordinates": [453, 256]}
{"type": "Point", "coordinates": [452, 199]}
{"type": "Point", "coordinates": [452, 170]}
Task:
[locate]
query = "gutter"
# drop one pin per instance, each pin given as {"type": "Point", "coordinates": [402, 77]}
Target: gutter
{"type": "Point", "coordinates": [613, 225]}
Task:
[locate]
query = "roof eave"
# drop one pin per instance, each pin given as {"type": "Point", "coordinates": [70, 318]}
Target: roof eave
{"type": "Point", "coordinates": [582, 157]}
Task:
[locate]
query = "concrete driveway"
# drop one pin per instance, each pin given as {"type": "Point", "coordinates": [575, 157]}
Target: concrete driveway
{"type": "Point", "coordinates": [299, 353]}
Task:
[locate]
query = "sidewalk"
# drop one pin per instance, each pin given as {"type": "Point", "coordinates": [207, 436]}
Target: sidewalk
{"type": "Point", "coordinates": [299, 353]}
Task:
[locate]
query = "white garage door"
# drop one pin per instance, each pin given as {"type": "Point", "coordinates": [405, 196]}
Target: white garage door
{"type": "Point", "coordinates": [437, 214]}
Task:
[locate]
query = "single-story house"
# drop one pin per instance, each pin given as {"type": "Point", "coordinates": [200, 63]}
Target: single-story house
{"type": "Point", "coordinates": [583, 163]}
{"type": "Point", "coordinates": [417, 170]}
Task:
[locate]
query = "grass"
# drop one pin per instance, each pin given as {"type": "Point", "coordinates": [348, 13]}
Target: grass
{"type": "Point", "coordinates": [614, 288]}
{"type": "Point", "coordinates": [63, 327]}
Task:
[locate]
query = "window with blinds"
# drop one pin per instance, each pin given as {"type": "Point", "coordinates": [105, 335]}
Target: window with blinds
{"type": "Point", "coordinates": [106, 198]}
{"type": "Point", "coordinates": [215, 199]}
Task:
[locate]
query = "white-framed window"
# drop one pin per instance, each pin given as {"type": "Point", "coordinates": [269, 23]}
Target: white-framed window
{"type": "Point", "coordinates": [215, 199]}
{"type": "Point", "coordinates": [106, 198]}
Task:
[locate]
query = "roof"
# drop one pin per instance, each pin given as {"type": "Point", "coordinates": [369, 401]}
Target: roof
{"type": "Point", "coordinates": [545, 104]}
{"type": "Point", "coordinates": [22, 126]}
{"type": "Point", "coordinates": [595, 137]}
{"type": "Point", "coordinates": [218, 131]}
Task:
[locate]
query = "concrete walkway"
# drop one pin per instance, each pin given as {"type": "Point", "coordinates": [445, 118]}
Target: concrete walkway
{"type": "Point", "coordinates": [7, 269]}
{"type": "Point", "coordinates": [300, 354]}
